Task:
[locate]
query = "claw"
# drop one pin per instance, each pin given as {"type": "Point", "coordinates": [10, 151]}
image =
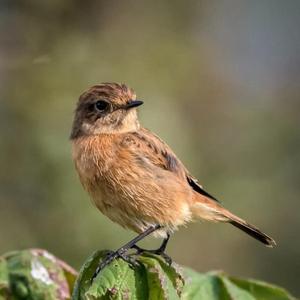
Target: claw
{"type": "Point", "coordinates": [167, 258]}
{"type": "Point", "coordinates": [139, 250]}
{"type": "Point", "coordinates": [108, 259]}
{"type": "Point", "coordinates": [129, 259]}
{"type": "Point", "coordinates": [121, 252]}
{"type": "Point", "coordinates": [159, 251]}
{"type": "Point", "coordinates": [112, 256]}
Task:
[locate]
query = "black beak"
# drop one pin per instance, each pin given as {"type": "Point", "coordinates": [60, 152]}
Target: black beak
{"type": "Point", "coordinates": [133, 103]}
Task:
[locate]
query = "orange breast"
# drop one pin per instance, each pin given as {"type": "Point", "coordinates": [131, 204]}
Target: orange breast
{"type": "Point", "coordinates": [129, 189]}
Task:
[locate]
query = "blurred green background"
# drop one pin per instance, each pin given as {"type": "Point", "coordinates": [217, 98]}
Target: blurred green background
{"type": "Point", "coordinates": [221, 84]}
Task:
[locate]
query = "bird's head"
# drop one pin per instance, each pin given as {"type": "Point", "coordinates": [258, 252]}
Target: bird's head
{"type": "Point", "coordinates": [106, 108]}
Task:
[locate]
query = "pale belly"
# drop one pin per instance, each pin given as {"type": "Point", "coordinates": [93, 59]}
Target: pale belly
{"type": "Point", "coordinates": [130, 212]}
{"type": "Point", "coordinates": [134, 195]}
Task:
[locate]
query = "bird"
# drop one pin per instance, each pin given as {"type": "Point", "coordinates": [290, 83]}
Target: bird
{"type": "Point", "coordinates": [134, 178]}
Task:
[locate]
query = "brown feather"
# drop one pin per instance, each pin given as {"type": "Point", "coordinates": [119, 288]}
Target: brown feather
{"type": "Point", "coordinates": [132, 176]}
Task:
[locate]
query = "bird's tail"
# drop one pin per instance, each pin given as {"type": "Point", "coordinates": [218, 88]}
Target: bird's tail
{"type": "Point", "coordinates": [212, 211]}
{"type": "Point", "coordinates": [251, 230]}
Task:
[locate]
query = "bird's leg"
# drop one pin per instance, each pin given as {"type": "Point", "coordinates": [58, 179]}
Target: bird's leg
{"type": "Point", "coordinates": [121, 252]}
{"type": "Point", "coordinates": [159, 251]}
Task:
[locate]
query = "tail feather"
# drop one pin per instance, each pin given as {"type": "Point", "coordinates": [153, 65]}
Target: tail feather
{"type": "Point", "coordinates": [254, 232]}
{"type": "Point", "coordinates": [249, 229]}
{"type": "Point", "coordinates": [206, 209]}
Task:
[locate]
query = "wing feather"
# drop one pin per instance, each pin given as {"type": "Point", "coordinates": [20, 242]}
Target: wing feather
{"type": "Point", "coordinates": [160, 154]}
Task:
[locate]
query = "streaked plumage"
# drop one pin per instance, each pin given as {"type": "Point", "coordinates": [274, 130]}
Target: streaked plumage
{"type": "Point", "coordinates": [132, 176]}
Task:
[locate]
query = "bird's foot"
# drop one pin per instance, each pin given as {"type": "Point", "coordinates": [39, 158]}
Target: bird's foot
{"type": "Point", "coordinates": [130, 259]}
{"type": "Point", "coordinates": [112, 255]}
{"type": "Point", "coordinates": [160, 251]}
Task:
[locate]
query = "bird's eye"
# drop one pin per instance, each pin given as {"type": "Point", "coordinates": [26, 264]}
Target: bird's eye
{"type": "Point", "coordinates": [101, 105]}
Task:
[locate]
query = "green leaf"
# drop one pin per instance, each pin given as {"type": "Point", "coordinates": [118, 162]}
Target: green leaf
{"type": "Point", "coordinates": [34, 274]}
{"type": "Point", "coordinates": [4, 279]}
{"type": "Point", "coordinates": [236, 292]}
{"type": "Point", "coordinates": [117, 281]}
{"type": "Point", "coordinates": [200, 286]}
{"type": "Point", "coordinates": [152, 280]}
{"type": "Point", "coordinates": [262, 290]}
{"type": "Point", "coordinates": [158, 283]}
{"type": "Point", "coordinates": [219, 286]}
{"type": "Point", "coordinates": [155, 280]}
{"type": "Point", "coordinates": [164, 281]}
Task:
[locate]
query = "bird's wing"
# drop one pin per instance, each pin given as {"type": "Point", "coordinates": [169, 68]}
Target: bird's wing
{"type": "Point", "coordinates": [158, 153]}
{"type": "Point", "coordinates": [198, 188]}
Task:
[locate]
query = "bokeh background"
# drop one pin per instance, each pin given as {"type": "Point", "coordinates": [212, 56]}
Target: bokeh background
{"type": "Point", "coordinates": [221, 84]}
